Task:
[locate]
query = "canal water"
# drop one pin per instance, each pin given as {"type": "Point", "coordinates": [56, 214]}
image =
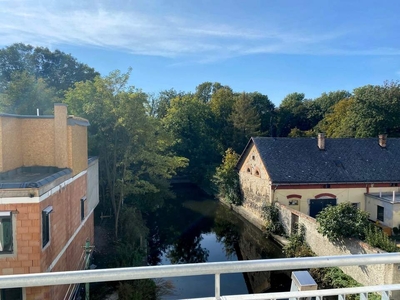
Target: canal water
{"type": "Point", "coordinates": [194, 228]}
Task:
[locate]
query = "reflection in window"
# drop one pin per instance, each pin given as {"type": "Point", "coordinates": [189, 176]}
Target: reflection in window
{"type": "Point", "coordinates": [6, 233]}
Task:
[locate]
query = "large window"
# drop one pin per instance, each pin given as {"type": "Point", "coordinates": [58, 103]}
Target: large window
{"type": "Point", "coordinates": [380, 213]}
{"type": "Point", "coordinates": [11, 294]}
{"type": "Point", "coordinates": [46, 225]}
{"type": "Point", "coordinates": [6, 233]}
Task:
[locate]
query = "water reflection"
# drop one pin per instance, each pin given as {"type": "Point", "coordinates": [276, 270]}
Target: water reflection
{"type": "Point", "coordinates": [193, 228]}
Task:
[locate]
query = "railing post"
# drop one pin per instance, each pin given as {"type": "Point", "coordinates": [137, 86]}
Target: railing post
{"type": "Point", "coordinates": [217, 287]}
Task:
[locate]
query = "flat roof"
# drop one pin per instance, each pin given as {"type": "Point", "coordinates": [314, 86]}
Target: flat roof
{"type": "Point", "coordinates": [31, 177]}
{"type": "Point", "coordinates": [386, 196]}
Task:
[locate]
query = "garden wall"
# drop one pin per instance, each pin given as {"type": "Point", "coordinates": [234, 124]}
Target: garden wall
{"type": "Point", "coordinates": [366, 275]}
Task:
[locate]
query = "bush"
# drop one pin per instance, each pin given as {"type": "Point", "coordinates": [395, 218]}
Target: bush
{"type": "Point", "coordinates": [377, 238]}
{"type": "Point", "coordinates": [342, 221]}
{"type": "Point", "coordinates": [226, 178]}
{"type": "Point", "coordinates": [273, 224]}
{"type": "Point", "coordinates": [297, 246]}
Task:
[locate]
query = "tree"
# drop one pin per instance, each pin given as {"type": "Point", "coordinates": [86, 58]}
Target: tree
{"type": "Point", "coordinates": [221, 105]}
{"type": "Point", "coordinates": [226, 178]}
{"type": "Point", "coordinates": [58, 69]}
{"type": "Point", "coordinates": [205, 90]}
{"type": "Point", "coordinates": [246, 121]}
{"type": "Point", "coordinates": [24, 94]}
{"type": "Point", "coordinates": [163, 102]}
{"type": "Point", "coordinates": [342, 221]}
{"type": "Point", "coordinates": [292, 113]}
{"type": "Point", "coordinates": [133, 148]}
{"type": "Point", "coordinates": [339, 122]}
{"type": "Point", "coordinates": [265, 109]}
{"type": "Point", "coordinates": [191, 122]}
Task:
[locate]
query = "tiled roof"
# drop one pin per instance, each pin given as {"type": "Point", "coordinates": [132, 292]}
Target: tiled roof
{"type": "Point", "coordinates": [299, 160]}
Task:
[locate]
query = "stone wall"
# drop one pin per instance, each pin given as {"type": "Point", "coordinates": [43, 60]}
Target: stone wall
{"type": "Point", "coordinates": [366, 275]}
{"type": "Point", "coordinates": [254, 182]}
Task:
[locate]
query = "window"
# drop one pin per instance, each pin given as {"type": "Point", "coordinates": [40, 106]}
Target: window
{"type": "Point", "coordinates": [248, 170]}
{"type": "Point", "coordinates": [83, 208]}
{"type": "Point", "coordinates": [46, 225]}
{"type": "Point", "coordinates": [257, 173]}
{"type": "Point", "coordinates": [6, 232]}
{"type": "Point", "coordinates": [356, 205]}
{"type": "Point", "coordinates": [380, 213]}
{"type": "Point", "coordinates": [253, 157]}
{"type": "Point", "coordinates": [11, 294]}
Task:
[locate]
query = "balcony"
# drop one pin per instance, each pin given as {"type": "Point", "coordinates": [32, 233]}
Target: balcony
{"type": "Point", "coordinates": [219, 268]}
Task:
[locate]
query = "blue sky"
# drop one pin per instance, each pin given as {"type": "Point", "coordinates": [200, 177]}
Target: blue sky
{"type": "Point", "coordinates": [274, 47]}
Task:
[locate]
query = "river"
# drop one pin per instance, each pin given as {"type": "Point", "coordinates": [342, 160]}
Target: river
{"type": "Point", "coordinates": [194, 228]}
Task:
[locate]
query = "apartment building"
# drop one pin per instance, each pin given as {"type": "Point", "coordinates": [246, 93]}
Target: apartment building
{"type": "Point", "coordinates": [48, 192]}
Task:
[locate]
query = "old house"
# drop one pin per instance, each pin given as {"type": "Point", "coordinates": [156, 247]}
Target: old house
{"type": "Point", "coordinates": [307, 174]}
{"type": "Point", "coordinates": [48, 192]}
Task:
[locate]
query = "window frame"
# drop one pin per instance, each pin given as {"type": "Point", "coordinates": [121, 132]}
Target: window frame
{"type": "Point", "coordinates": [10, 215]}
{"type": "Point", "coordinates": [46, 226]}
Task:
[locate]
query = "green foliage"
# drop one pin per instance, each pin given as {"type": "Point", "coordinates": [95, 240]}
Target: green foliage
{"type": "Point", "coordinates": [375, 237]}
{"type": "Point", "coordinates": [245, 120]}
{"type": "Point", "coordinates": [342, 221]}
{"type": "Point", "coordinates": [226, 178]}
{"type": "Point", "coordinates": [191, 123]}
{"type": "Point", "coordinates": [273, 224]}
{"type": "Point", "coordinates": [335, 278]}
{"type": "Point", "coordinates": [133, 148]}
{"type": "Point", "coordinates": [297, 246]}
{"type": "Point", "coordinates": [25, 93]}
{"type": "Point", "coordinates": [59, 70]}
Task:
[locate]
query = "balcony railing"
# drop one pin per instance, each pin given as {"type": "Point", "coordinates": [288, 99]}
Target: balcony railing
{"type": "Point", "coordinates": [218, 268]}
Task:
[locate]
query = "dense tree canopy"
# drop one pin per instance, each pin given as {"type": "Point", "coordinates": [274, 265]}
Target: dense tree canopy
{"type": "Point", "coordinates": [133, 148]}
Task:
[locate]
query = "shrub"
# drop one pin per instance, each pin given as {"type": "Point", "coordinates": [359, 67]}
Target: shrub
{"type": "Point", "coordinates": [342, 221]}
{"type": "Point", "coordinates": [297, 246]}
{"type": "Point", "coordinates": [273, 224]}
{"type": "Point", "coordinates": [226, 178]}
{"type": "Point", "coordinates": [377, 238]}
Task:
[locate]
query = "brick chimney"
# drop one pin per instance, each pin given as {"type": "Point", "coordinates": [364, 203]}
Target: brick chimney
{"type": "Point", "coordinates": [321, 141]}
{"type": "Point", "coordinates": [60, 135]}
{"type": "Point", "coordinates": [382, 140]}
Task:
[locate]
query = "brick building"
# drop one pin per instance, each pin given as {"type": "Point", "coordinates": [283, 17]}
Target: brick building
{"type": "Point", "coordinates": [48, 192]}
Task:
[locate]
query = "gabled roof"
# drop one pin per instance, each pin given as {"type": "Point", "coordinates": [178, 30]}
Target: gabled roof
{"type": "Point", "coordinates": [299, 160]}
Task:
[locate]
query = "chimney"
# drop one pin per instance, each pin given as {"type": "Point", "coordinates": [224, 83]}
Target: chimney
{"type": "Point", "coordinates": [60, 135]}
{"type": "Point", "coordinates": [382, 140]}
{"type": "Point", "coordinates": [321, 141]}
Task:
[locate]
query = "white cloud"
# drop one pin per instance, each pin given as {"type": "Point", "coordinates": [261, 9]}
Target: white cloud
{"type": "Point", "coordinates": [129, 29]}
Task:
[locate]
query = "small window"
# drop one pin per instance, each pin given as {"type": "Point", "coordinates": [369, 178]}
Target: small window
{"type": "Point", "coordinates": [83, 208]}
{"type": "Point", "coordinates": [253, 157]}
{"type": "Point", "coordinates": [394, 184]}
{"type": "Point", "coordinates": [380, 213]}
{"type": "Point", "coordinates": [327, 186]}
{"type": "Point", "coordinates": [356, 205]}
{"type": "Point", "coordinates": [293, 202]}
{"type": "Point", "coordinates": [248, 170]}
{"type": "Point", "coordinates": [11, 294]}
{"type": "Point", "coordinates": [6, 233]}
{"type": "Point", "coordinates": [46, 225]}
{"type": "Point", "coordinates": [257, 173]}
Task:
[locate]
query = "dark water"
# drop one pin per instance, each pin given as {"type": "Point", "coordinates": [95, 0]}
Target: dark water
{"type": "Point", "coordinates": [194, 228]}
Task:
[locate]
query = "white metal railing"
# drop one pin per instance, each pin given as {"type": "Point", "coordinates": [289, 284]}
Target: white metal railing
{"type": "Point", "coordinates": [217, 268]}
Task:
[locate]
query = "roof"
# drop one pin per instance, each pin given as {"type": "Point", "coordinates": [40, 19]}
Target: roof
{"type": "Point", "coordinates": [31, 177]}
{"type": "Point", "coordinates": [346, 160]}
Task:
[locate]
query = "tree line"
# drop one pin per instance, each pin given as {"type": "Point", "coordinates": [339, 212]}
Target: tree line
{"type": "Point", "coordinates": [142, 140]}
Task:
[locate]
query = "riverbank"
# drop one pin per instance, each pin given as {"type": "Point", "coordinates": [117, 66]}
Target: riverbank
{"type": "Point", "coordinates": [256, 221]}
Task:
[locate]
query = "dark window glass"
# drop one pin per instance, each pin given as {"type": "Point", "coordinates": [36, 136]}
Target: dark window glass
{"type": "Point", "coordinates": [6, 235]}
{"type": "Point", "coordinates": [82, 209]}
{"type": "Point", "coordinates": [11, 294]}
{"type": "Point", "coordinates": [380, 213]}
{"type": "Point", "coordinates": [45, 228]}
